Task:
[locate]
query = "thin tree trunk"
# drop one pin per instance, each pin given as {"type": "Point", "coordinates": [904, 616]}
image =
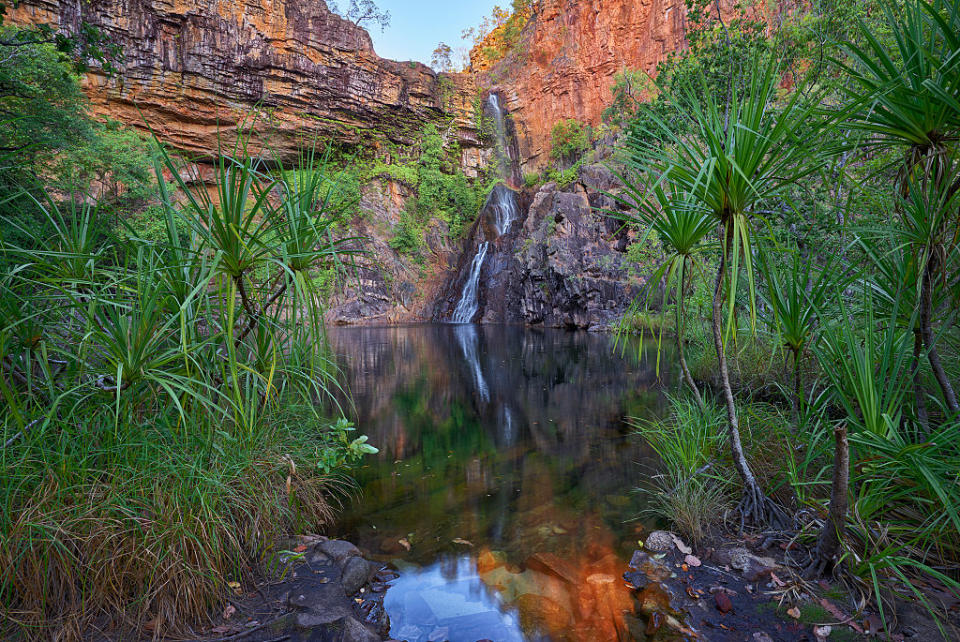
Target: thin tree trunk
{"type": "Point", "coordinates": [754, 505]}
{"type": "Point", "coordinates": [683, 361]}
{"type": "Point", "coordinates": [797, 402]}
{"type": "Point", "coordinates": [827, 553]}
{"type": "Point", "coordinates": [926, 305]}
{"type": "Point", "coordinates": [919, 393]}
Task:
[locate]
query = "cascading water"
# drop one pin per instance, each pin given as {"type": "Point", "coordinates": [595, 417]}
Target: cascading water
{"type": "Point", "coordinates": [469, 302]}
{"type": "Point", "coordinates": [503, 203]}
{"type": "Point", "coordinates": [503, 207]}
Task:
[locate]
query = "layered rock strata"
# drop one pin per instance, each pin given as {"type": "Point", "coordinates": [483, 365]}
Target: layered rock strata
{"type": "Point", "coordinates": [570, 51]}
{"type": "Point", "coordinates": [194, 70]}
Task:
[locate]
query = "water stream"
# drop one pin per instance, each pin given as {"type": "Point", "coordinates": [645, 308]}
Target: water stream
{"type": "Point", "coordinates": [502, 488]}
{"type": "Point", "coordinates": [504, 210]}
{"type": "Point", "coordinates": [469, 300]}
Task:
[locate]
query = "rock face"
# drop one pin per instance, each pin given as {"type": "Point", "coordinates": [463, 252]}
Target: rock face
{"type": "Point", "coordinates": [569, 54]}
{"type": "Point", "coordinates": [192, 68]}
{"type": "Point", "coordinates": [563, 265]}
{"type": "Point", "coordinates": [568, 272]}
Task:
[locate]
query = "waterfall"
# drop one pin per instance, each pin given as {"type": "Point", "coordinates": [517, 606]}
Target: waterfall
{"type": "Point", "coordinates": [469, 303]}
{"type": "Point", "coordinates": [504, 210]}
{"type": "Point", "coordinates": [502, 150]}
{"type": "Point", "coordinates": [503, 202]}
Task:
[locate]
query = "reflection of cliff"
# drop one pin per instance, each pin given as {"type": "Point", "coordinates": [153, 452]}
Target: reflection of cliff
{"type": "Point", "coordinates": [461, 431]}
{"type": "Point", "coordinates": [508, 439]}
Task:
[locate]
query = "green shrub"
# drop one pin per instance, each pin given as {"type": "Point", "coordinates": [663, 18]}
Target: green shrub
{"type": "Point", "coordinates": [160, 413]}
{"type": "Point", "coordinates": [569, 140]}
{"type": "Point", "coordinates": [408, 235]}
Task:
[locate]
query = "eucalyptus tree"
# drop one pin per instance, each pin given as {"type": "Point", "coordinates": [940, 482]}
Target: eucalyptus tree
{"type": "Point", "coordinates": [908, 98]}
{"type": "Point", "coordinates": [743, 150]}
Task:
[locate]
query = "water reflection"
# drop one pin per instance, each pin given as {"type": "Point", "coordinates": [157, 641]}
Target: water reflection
{"type": "Point", "coordinates": [501, 488]}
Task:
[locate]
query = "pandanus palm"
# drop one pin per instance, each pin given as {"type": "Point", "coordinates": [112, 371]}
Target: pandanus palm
{"type": "Point", "coordinates": [909, 97]}
{"type": "Point", "coordinates": [795, 295]}
{"type": "Point", "coordinates": [682, 227]}
{"type": "Point", "coordinates": [740, 156]}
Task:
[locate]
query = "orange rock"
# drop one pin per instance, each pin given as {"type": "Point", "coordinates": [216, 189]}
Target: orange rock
{"type": "Point", "coordinates": [196, 68]}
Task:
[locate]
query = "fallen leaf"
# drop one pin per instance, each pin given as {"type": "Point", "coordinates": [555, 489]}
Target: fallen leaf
{"type": "Point", "coordinates": [840, 615]}
{"type": "Point", "coordinates": [776, 580]}
{"type": "Point", "coordinates": [686, 550]}
{"type": "Point", "coordinates": [404, 542]}
{"type": "Point", "coordinates": [458, 540]}
{"type": "Point", "coordinates": [692, 561]}
{"type": "Point", "coordinates": [229, 611]}
{"type": "Point", "coordinates": [724, 605]}
{"type": "Point", "coordinates": [300, 549]}
{"type": "Point", "coordinates": [794, 613]}
{"type": "Point", "coordinates": [684, 568]}
{"type": "Point", "coordinates": [694, 593]}
{"type": "Point", "coordinates": [236, 587]}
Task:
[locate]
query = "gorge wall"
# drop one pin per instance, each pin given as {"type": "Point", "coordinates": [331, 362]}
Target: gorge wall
{"type": "Point", "coordinates": [568, 55]}
{"type": "Point", "coordinates": [194, 68]}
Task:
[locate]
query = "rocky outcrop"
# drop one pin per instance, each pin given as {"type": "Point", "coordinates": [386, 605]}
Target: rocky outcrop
{"type": "Point", "coordinates": [563, 265]}
{"type": "Point", "coordinates": [193, 69]}
{"type": "Point", "coordinates": [570, 270]}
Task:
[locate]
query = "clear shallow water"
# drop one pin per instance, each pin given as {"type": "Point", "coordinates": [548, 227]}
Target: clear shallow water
{"type": "Point", "coordinates": [502, 489]}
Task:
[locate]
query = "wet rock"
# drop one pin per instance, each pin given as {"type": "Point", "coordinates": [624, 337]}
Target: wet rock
{"type": "Point", "coordinates": [753, 567]}
{"type": "Point", "coordinates": [489, 560]}
{"type": "Point", "coordinates": [761, 636]}
{"type": "Point", "coordinates": [355, 631]}
{"type": "Point", "coordinates": [659, 542]}
{"type": "Point", "coordinates": [357, 572]}
{"type": "Point", "coordinates": [318, 558]}
{"type": "Point", "coordinates": [722, 600]}
{"type": "Point", "coordinates": [648, 568]}
{"type": "Point", "coordinates": [339, 550]}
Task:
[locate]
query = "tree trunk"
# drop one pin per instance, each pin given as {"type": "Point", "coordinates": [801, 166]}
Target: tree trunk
{"type": "Point", "coordinates": [926, 305]}
{"type": "Point", "coordinates": [683, 361]}
{"type": "Point", "coordinates": [919, 393]}
{"type": "Point", "coordinates": [798, 400]}
{"type": "Point", "coordinates": [827, 553]}
{"type": "Point", "coordinates": [754, 505]}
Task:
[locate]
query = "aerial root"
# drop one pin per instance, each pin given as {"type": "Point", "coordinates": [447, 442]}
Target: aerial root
{"type": "Point", "coordinates": [757, 508]}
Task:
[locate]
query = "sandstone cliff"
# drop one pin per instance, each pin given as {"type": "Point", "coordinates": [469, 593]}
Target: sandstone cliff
{"type": "Point", "coordinates": [570, 51]}
{"type": "Point", "coordinates": [193, 68]}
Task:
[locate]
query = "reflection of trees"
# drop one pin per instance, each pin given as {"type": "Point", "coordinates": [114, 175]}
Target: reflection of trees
{"type": "Point", "coordinates": [493, 427]}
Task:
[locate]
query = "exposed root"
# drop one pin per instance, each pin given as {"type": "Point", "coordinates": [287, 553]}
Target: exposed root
{"type": "Point", "coordinates": [756, 508]}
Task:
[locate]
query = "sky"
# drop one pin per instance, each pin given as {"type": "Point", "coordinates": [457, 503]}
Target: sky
{"type": "Point", "coordinates": [418, 26]}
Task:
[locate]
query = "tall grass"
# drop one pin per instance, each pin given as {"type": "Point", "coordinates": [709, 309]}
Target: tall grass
{"type": "Point", "coordinates": [690, 490]}
{"type": "Point", "coordinates": [160, 400]}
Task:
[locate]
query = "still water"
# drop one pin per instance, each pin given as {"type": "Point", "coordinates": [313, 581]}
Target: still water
{"type": "Point", "coordinates": [502, 490]}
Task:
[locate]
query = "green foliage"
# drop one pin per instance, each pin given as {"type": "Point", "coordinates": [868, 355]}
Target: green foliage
{"type": "Point", "coordinates": [867, 158]}
{"type": "Point", "coordinates": [630, 87]}
{"type": "Point", "coordinates": [690, 492]}
{"type": "Point", "coordinates": [408, 235]}
{"type": "Point", "coordinates": [569, 140]}
{"type": "Point", "coordinates": [152, 376]}
{"type": "Point", "coordinates": [114, 165]}
{"type": "Point", "coordinates": [41, 106]}
{"type": "Point", "coordinates": [564, 178]}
